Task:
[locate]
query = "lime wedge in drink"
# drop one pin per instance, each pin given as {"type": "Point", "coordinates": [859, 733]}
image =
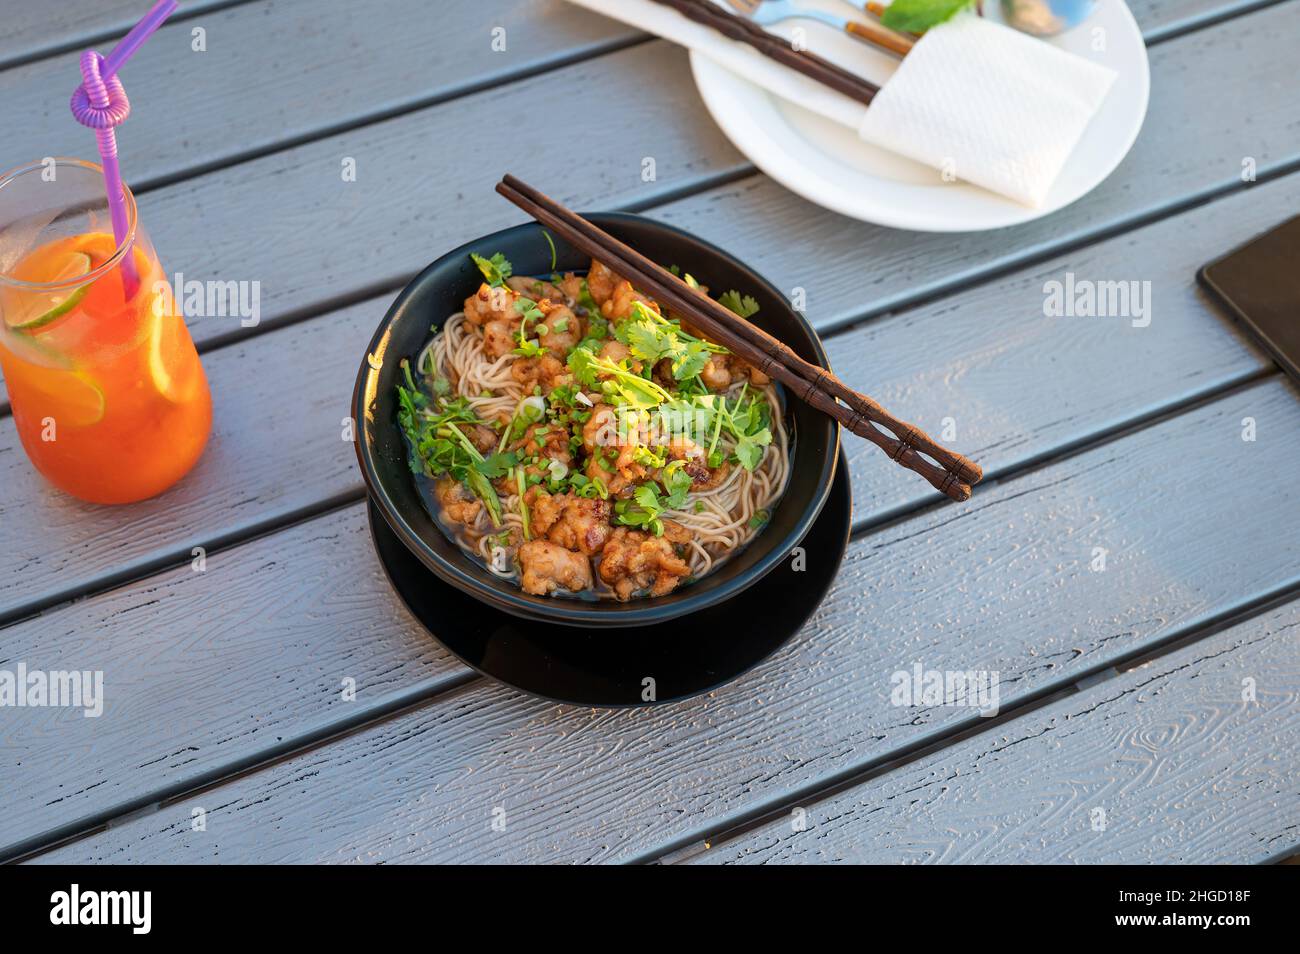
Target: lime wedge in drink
{"type": "Point", "coordinates": [37, 310]}
{"type": "Point", "coordinates": [69, 396]}
{"type": "Point", "coordinates": [82, 400]}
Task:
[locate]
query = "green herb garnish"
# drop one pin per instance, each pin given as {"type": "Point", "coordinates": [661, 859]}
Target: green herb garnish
{"type": "Point", "coordinates": [743, 305]}
{"type": "Point", "coordinates": [917, 16]}
{"type": "Point", "coordinates": [495, 269]}
{"type": "Point", "coordinates": [441, 447]}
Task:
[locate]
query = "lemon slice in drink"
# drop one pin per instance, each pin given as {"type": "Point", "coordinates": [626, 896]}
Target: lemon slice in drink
{"type": "Point", "coordinates": [167, 340]}
{"type": "Point", "coordinates": [37, 310]}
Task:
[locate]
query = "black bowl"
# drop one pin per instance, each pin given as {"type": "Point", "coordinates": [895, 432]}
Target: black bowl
{"type": "Point", "coordinates": [441, 289]}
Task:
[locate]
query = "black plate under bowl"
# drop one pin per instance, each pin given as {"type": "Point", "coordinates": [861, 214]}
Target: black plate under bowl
{"type": "Point", "coordinates": [441, 289]}
{"type": "Point", "coordinates": [609, 668]}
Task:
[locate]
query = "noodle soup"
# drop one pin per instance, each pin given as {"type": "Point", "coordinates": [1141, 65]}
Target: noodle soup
{"type": "Point", "coordinates": [576, 439]}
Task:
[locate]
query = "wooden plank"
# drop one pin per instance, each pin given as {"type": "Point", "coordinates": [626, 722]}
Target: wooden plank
{"type": "Point", "coordinates": [36, 30]}
{"type": "Point", "coordinates": [202, 669]}
{"type": "Point", "coordinates": [1160, 19]}
{"type": "Point", "coordinates": [583, 785]}
{"type": "Point", "coordinates": [278, 72]}
{"type": "Point", "coordinates": [410, 203]}
{"type": "Point", "coordinates": [996, 348]}
{"type": "Point", "coordinates": [1167, 763]}
{"type": "Point", "coordinates": [260, 81]}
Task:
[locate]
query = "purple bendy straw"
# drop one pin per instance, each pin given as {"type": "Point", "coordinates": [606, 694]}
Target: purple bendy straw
{"type": "Point", "coordinates": [100, 103]}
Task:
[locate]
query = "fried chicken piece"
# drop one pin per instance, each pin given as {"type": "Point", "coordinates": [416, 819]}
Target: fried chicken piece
{"type": "Point", "coordinates": [563, 328]}
{"type": "Point", "coordinates": [572, 522]}
{"type": "Point", "coordinates": [613, 293]}
{"type": "Point", "coordinates": [547, 442]}
{"type": "Point", "coordinates": [499, 337]}
{"type": "Point", "coordinates": [619, 304]}
{"type": "Point", "coordinates": [756, 377]}
{"type": "Point", "coordinates": [457, 503]}
{"type": "Point", "coordinates": [633, 560]}
{"type": "Point", "coordinates": [571, 287]}
{"type": "Point", "coordinates": [481, 436]}
{"type": "Point", "coordinates": [491, 304]}
{"type": "Point", "coordinates": [544, 440]}
{"type": "Point", "coordinates": [611, 455]}
{"type": "Point", "coordinates": [716, 373]}
{"type": "Point", "coordinates": [601, 280]}
{"type": "Point", "coordinates": [616, 351]}
{"type": "Point", "coordinates": [534, 288]}
{"type": "Point", "coordinates": [611, 479]}
{"type": "Point", "coordinates": [703, 477]}
{"type": "Point", "coordinates": [601, 429]}
{"type": "Point", "coordinates": [721, 371]}
{"type": "Point", "coordinates": [547, 371]}
{"type": "Point", "coordinates": [548, 567]}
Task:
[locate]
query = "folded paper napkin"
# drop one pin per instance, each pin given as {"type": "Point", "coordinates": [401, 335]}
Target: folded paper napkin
{"type": "Point", "coordinates": [973, 99]}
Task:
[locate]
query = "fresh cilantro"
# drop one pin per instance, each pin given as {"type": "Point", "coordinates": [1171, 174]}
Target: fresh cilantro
{"type": "Point", "coordinates": [691, 361]}
{"type": "Point", "coordinates": [745, 306]}
{"type": "Point", "coordinates": [439, 446]}
{"type": "Point", "coordinates": [651, 338]}
{"type": "Point", "coordinates": [642, 510]}
{"type": "Point", "coordinates": [495, 269]}
{"type": "Point", "coordinates": [677, 482]}
{"type": "Point", "coordinates": [627, 387]}
{"type": "Point", "coordinates": [496, 465]}
{"type": "Point", "coordinates": [749, 450]}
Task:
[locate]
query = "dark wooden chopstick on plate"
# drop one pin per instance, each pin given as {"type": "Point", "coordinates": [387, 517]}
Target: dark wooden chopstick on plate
{"type": "Point", "coordinates": [953, 475]}
{"type": "Point", "coordinates": [776, 48]}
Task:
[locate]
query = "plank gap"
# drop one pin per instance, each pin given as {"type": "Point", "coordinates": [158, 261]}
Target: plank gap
{"type": "Point", "coordinates": [764, 814]}
{"type": "Point", "coordinates": [389, 707]}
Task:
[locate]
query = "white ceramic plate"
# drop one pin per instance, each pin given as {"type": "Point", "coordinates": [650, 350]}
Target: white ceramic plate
{"type": "Point", "coordinates": [826, 163]}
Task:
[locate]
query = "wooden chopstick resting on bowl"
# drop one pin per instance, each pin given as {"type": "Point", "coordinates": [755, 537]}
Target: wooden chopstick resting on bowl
{"type": "Point", "coordinates": [776, 48]}
{"type": "Point", "coordinates": [814, 385]}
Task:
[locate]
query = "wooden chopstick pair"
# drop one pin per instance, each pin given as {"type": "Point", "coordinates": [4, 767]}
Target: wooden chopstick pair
{"type": "Point", "coordinates": [952, 475]}
{"type": "Point", "coordinates": [777, 48]}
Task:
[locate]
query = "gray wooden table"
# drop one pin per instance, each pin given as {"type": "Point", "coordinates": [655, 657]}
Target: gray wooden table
{"type": "Point", "coordinates": [1148, 705]}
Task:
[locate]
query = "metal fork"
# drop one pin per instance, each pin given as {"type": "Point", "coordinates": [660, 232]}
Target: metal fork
{"type": "Point", "coordinates": [768, 12]}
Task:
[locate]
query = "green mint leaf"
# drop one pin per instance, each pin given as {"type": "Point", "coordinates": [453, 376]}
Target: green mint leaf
{"type": "Point", "coordinates": [917, 16]}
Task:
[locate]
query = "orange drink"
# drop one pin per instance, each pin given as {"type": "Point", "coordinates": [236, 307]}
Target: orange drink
{"type": "Point", "coordinates": [108, 395]}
